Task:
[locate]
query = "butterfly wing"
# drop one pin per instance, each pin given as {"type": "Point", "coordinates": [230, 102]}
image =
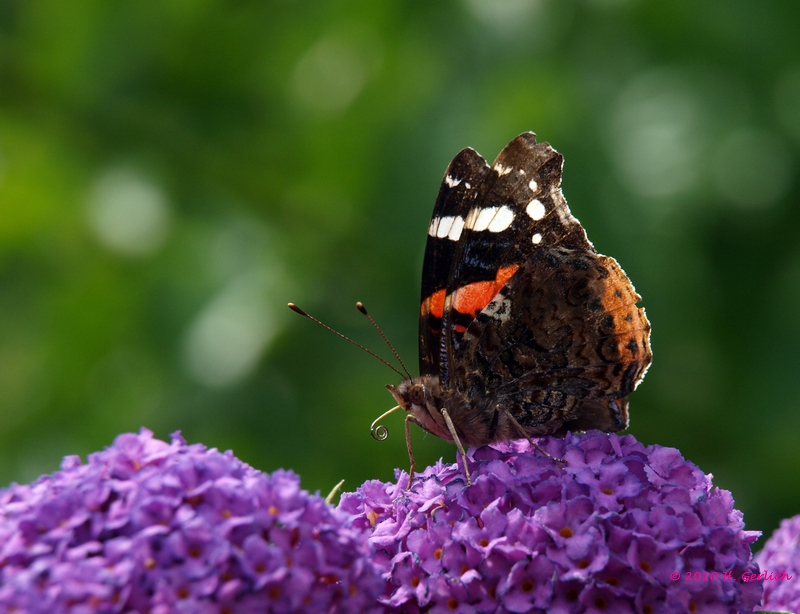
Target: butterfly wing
{"type": "Point", "coordinates": [461, 186]}
{"type": "Point", "coordinates": [514, 209]}
{"type": "Point", "coordinates": [562, 344]}
{"type": "Point", "coordinates": [520, 209]}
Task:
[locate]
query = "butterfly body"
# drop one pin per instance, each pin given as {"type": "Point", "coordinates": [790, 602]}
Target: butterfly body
{"type": "Point", "coordinates": [476, 423]}
{"type": "Point", "coordinates": [525, 330]}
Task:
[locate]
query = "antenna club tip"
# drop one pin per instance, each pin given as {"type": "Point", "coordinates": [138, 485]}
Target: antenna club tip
{"type": "Point", "coordinates": [296, 309]}
{"type": "Point", "coordinates": [361, 308]}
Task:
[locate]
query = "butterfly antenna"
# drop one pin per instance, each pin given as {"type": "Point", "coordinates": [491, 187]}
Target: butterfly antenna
{"type": "Point", "coordinates": [362, 309]}
{"type": "Point", "coordinates": [296, 309]}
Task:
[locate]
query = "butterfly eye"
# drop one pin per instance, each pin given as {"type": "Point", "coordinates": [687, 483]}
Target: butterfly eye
{"type": "Point", "coordinates": [416, 394]}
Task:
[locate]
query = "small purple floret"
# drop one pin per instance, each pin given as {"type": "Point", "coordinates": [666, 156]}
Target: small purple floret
{"type": "Point", "coordinates": [617, 529]}
{"type": "Point", "coordinates": [779, 561]}
{"type": "Point", "coordinates": [147, 526]}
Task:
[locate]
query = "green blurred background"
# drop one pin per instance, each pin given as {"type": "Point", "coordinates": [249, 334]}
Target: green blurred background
{"type": "Point", "coordinates": [173, 172]}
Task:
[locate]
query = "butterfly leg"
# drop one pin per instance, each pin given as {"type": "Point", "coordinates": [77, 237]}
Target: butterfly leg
{"type": "Point", "coordinates": [452, 430]}
{"type": "Point", "coordinates": [522, 432]}
{"type": "Point", "coordinates": [409, 421]}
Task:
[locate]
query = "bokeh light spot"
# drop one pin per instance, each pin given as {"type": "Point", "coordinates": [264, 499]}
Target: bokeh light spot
{"type": "Point", "coordinates": [226, 340]}
{"type": "Point", "coordinates": [505, 16]}
{"type": "Point", "coordinates": [128, 214]}
{"type": "Point", "coordinates": [655, 135]}
{"type": "Point", "coordinates": [330, 76]}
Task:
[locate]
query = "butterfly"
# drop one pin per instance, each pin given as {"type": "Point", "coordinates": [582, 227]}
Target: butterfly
{"type": "Point", "coordinates": [524, 329]}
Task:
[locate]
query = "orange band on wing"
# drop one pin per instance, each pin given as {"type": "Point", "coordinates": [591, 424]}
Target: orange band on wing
{"type": "Point", "coordinates": [475, 296]}
{"type": "Point", "coordinates": [434, 304]}
{"type": "Point", "coordinates": [472, 297]}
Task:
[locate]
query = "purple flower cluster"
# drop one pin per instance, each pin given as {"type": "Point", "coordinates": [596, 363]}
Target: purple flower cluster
{"type": "Point", "coordinates": [614, 530]}
{"type": "Point", "coordinates": [780, 565]}
{"type": "Point", "coordinates": [147, 526]}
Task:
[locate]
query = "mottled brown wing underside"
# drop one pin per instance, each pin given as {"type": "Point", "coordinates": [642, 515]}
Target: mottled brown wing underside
{"type": "Point", "coordinates": [563, 341]}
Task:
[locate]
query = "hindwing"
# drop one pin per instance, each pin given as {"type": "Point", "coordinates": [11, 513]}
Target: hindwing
{"type": "Point", "coordinates": [562, 343]}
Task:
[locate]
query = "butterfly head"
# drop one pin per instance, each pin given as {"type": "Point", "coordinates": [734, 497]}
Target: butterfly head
{"type": "Point", "coordinates": [421, 398]}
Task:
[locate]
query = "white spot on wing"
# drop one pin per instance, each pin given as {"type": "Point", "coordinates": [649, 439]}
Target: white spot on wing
{"type": "Point", "coordinates": [451, 182]}
{"type": "Point", "coordinates": [479, 218]}
{"type": "Point", "coordinates": [443, 227]}
{"type": "Point", "coordinates": [533, 185]}
{"type": "Point", "coordinates": [502, 219]}
{"type": "Point", "coordinates": [434, 227]}
{"type": "Point", "coordinates": [456, 228]}
{"type": "Point", "coordinates": [502, 170]}
{"type": "Point", "coordinates": [535, 209]}
{"type": "Point", "coordinates": [493, 219]}
{"type": "Point", "coordinates": [537, 238]}
{"type": "Point", "coordinates": [467, 185]}
{"type": "Point", "coordinates": [472, 218]}
{"type": "Point", "coordinates": [447, 226]}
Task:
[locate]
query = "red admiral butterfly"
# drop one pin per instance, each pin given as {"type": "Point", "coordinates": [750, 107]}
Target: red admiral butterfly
{"type": "Point", "coordinates": [524, 329]}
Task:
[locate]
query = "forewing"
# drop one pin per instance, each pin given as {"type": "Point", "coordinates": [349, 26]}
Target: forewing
{"type": "Point", "coordinates": [518, 210]}
{"type": "Point", "coordinates": [460, 189]}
